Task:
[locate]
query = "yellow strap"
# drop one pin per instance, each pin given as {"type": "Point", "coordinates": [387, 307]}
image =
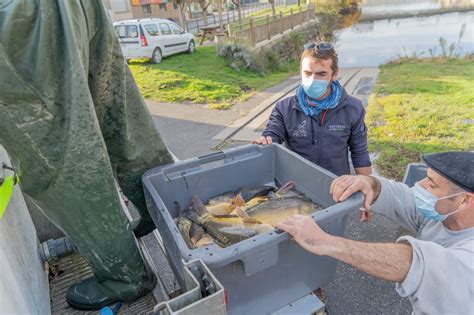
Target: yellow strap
{"type": "Point", "coordinates": [6, 191]}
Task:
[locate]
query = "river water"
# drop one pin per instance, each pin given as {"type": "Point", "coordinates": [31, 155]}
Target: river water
{"type": "Point", "coordinates": [386, 30]}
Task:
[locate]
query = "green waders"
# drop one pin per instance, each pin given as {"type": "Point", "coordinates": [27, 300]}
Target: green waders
{"type": "Point", "coordinates": [72, 119]}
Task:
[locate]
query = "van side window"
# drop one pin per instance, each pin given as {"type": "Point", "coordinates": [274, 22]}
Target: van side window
{"type": "Point", "coordinates": [165, 29]}
{"type": "Point", "coordinates": [175, 28]}
{"type": "Point", "coordinates": [152, 29]}
{"type": "Point", "coordinates": [126, 31]}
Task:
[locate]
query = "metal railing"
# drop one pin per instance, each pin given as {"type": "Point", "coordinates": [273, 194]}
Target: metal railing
{"type": "Point", "coordinates": [230, 16]}
{"type": "Point", "coordinates": [263, 28]}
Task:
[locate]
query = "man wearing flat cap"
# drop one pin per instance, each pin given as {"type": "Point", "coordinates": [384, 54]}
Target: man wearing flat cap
{"type": "Point", "coordinates": [435, 269]}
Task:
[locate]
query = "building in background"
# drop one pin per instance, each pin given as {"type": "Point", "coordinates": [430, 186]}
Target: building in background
{"type": "Point", "coordinates": [155, 8]}
{"type": "Point", "coordinates": [137, 9]}
{"type": "Point", "coordinates": [118, 9]}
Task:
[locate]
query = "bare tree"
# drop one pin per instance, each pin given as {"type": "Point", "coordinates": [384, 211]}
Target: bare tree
{"type": "Point", "coordinates": [239, 9]}
{"type": "Point", "coordinates": [272, 2]}
{"type": "Point", "coordinates": [182, 8]}
{"type": "Point", "coordinates": [219, 8]}
{"type": "Point", "coordinates": [204, 4]}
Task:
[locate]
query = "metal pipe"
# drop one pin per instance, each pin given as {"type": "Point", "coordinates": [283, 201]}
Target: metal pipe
{"type": "Point", "coordinates": [52, 250]}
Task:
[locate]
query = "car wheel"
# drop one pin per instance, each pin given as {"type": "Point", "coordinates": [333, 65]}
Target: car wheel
{"type": "Point", "coordinates": [191, 47]}
{"type": "Point", "coordinates": [157, 56]}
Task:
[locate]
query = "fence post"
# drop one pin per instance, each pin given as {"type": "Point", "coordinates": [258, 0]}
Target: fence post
{"type": "Point", "coordinates": [268, 27]}
{"type": "Point", "coordinates": [281, 20]}
{"type": "Point", "coordinates": [227, 16]}
{"type": "Point", "coordinates": [252, 33]}
{"type": "Point", "coordinates": [214, 16]}
{"type": "Point", "coordinates": [292, 18]}
{"type": "Point", "coordinates": [301, 17]}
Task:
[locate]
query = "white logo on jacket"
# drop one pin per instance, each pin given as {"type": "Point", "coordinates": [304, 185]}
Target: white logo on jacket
{"type": "Point", "coordinates": [301, 132]}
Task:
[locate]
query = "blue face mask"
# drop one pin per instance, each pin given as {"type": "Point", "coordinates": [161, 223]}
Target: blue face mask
{"type": "Point", "coordinates": [314, 88]}
{"type": "Point", "coordinates": [425, 203]}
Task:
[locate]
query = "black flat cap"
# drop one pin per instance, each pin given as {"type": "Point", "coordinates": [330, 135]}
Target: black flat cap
{"type": "Point", "coordinates": [458, 167]}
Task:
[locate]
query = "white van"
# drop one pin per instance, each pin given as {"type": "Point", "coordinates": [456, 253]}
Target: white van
{"type": "Point", "coordinates": [152, 38]}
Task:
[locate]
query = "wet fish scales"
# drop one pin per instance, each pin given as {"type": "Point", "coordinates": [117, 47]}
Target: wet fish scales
{"type": "Point", "coordinates": [250, 193]}
{"type": "Point", "coordinates": [276, 210]}
{"type": "Point", "coordinates": [226, 231]}
{"type": "Point", "coordinates": [225, 197]}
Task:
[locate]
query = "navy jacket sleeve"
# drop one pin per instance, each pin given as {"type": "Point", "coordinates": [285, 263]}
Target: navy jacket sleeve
{"type": "Point", "coordinates": [358, 142]}
{"type": "Point", "coordinates": [276, 126]}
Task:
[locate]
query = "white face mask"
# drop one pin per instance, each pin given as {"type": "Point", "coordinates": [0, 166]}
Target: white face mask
{"type": "Point", "coordinates": [425, 203]}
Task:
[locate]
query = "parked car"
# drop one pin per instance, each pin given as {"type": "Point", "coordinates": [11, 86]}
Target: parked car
{"type": "Point", "coordinates": [152, 38]}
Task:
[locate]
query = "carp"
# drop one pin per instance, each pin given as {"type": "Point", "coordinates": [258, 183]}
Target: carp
{"type": "Point", "coordinates": [225, 231]}
{"type": "Point", "coordinates": [190, 231]}
{"type": "Point", "coordinates": [275, 210]}
{"type": "Point", "coordinates": [226, 207]}
{"type": "Point", "coordinates": [225, 197]}
{"type": "Point", "coordinates": [250, 193]}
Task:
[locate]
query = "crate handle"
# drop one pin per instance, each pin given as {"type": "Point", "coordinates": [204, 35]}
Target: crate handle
{"type": "Point", "coordinates": [212, 157]}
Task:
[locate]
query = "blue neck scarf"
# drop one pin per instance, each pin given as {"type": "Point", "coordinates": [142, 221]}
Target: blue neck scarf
{"type": "Point", "coordinates": [329, 102]}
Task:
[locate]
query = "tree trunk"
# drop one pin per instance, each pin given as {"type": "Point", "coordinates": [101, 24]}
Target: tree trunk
{"type": "Point", "coordinates": [189, 12]}
{"type": "Point", "coordinates": [272, 2]}
{"type": "Point", "coordinates": [239, 10]}
{"type": "Point", "coordinates": [182, 7]}
{"type": "Point", "coordinates": [204, 7]}
{"type": "Point", "coordinates": [219, 7]}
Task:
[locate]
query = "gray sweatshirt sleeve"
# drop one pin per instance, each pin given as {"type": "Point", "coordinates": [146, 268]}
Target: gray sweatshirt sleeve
{"type": "Point", "coordinates": [397, 203]}
{"type": "Point", "coordinates": [440, 280]}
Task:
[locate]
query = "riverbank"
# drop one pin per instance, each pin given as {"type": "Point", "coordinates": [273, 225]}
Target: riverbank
{"type": "Point", "coordinates": [420, 106]}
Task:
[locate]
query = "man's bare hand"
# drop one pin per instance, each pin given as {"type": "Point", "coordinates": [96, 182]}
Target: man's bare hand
{"type": "Point", "coordinates": [306, 233]}
{"type": "Point", "coordinates": [263, 140]}
{"type": "Point", "coordinates": [343, 187]}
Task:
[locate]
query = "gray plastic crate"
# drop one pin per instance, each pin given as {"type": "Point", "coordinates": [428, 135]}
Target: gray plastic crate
{"type": "Point", "coordinates": [269, 271]}
{"type": "Point", "coordinates": [414, 173]}
{"type": "Point", "coordinates": [192, 301]}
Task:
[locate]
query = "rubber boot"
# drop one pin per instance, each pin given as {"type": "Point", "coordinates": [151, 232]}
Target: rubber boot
{"type": "Point", "coordinates": [87, 296]}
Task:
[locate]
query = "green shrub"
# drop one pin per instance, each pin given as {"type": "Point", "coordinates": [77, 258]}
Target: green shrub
{"type": "Point", "coordinates": [241, 58]}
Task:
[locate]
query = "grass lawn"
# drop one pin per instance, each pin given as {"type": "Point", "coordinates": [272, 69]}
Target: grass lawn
{"type": "Point", "coordinates": [420, 106]}
{"type": "Point", "coordinates": [202, 77]}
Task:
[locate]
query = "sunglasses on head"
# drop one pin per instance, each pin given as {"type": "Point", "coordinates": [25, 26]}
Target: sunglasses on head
{"type": "Point", "coordinates": [319, 46]}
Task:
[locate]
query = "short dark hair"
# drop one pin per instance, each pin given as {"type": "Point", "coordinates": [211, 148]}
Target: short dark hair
{"type": "Point", "coordinates": [322, 54]}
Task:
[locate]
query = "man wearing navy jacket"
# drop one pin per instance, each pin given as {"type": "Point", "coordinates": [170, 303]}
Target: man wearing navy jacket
{"type": "Point", "coordinates": [322, 123]}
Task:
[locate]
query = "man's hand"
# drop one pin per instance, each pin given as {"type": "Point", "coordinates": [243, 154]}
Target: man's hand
{"type": "Point", "coordinates": [306, 233]}
{"type": "Point", "coordinates": [343, 187]}
{"type": "Point", "coordinates": [263, 140]}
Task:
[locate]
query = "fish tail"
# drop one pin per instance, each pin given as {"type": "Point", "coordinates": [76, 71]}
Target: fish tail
{"type": "Point", "coordinates": [199, 206]}
{"type": "Point", "coordinates": [285, 188]}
